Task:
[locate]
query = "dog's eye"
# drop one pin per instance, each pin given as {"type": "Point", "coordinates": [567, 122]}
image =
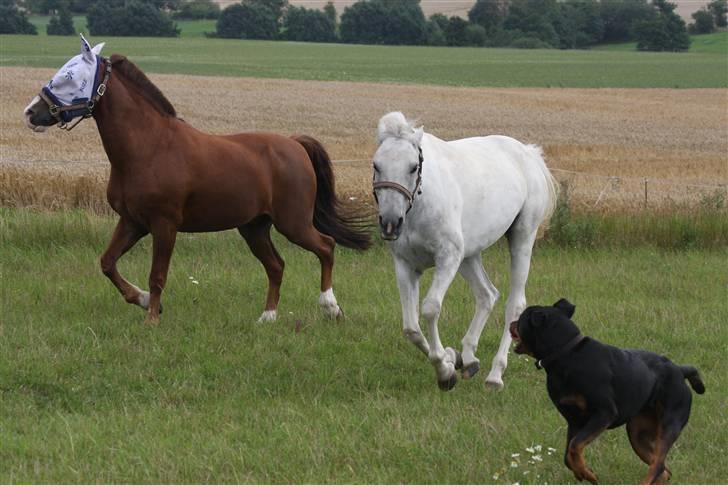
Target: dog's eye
{"type": "Point", "coordinates": [414, 169]}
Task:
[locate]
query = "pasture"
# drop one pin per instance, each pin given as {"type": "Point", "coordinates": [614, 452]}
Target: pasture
{"type": "Point", "coordinates": [89, 394]}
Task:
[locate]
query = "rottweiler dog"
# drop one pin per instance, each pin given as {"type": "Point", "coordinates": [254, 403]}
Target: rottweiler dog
{"type": "Point", "coordinates": [597, 387]}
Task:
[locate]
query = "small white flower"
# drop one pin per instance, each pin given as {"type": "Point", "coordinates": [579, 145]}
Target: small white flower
{"type": "Point", "coordinates": [192, 277]}
{"type": "Point", "coordinates": [537, 447]}
{"type": "Point", "coordinates": [537, 458]}
{"type": "Point", "coordinates": [516, 483]}
{"type": "Point", "coordinates": [526, 472]}
{"type": "Point", "coordinates": [290, 313]}
{"type": "Point", "coordinates": [496, 476]}
{"type": "Point", "coordinates": [551, 449]}
{"type": "Point", "coordinates": [530, 450]}
{"type": "Point", "coordinates": [514, 464]}
{"type": "Point", "coordinates": [515, 455]}
{"type": "Point", "coordinates": [195, 282]}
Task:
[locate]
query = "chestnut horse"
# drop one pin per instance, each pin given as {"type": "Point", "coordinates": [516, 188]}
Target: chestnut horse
{"type": "Point", "coordinates": [167, 177]}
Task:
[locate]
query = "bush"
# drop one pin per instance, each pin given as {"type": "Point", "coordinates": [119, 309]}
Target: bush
{"type": "Point", "coordinates": [134, 18]}
{"type": "Point", "coordinates": [667, 32]}
{"type": "Point", "coordinates": [719, 9]}
{"type": "Point", "coordinates": [528, 42]}
{"type": "Point", "coordinates": [435, 33]}
{"type": "Point", "coordinates": [384, 22]}
{"type": "Point", "coordinates": [249, 20]}
{"type": "Point", "coordinates": [13, 21]}
{"type": "Point", "coordinates": [198, 10]}
{"type": "Point", "coordinates": [61, 25]}
{"type": "Point", "coordinates": [308, 25]}
{"type": "Point", "coordinates": [475, 35]}
{"type": "Point", "coordinates": [704, 23]}
{"type": "Point", "coordinates": [455, 32]}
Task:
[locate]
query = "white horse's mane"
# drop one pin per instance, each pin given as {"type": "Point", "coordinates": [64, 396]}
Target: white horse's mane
{"type": "Point", "coordinates": [395, 125]}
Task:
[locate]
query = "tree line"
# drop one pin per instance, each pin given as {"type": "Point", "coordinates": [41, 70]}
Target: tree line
{"type": "Point", "coordinates": [564, 24]}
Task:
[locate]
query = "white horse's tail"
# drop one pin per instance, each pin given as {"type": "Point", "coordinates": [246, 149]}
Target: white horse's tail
{"type": "Point", "coordinates": [535, 153]}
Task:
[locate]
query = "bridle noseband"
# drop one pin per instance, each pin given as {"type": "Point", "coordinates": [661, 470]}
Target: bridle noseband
{"type": "Point", "coordinates": [410, 196]}
{"type": "Point", "coordinates": [86, 109]}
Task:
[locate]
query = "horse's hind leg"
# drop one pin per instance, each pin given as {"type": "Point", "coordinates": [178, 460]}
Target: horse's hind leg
{"type": "Point", "coordinates": [257, 235]}
{"type": "Point", "coordinates": [485, 297]}
{"type": "Point", "coordinates": [520, 243]}
{"type": "Point", "coordinates": [323, 247]}
{"type": "Point", "coordinates": [124, 238]}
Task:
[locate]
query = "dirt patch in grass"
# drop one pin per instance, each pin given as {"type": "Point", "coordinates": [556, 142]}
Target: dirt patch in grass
{"type": "Point", "coordinates": [675, 138]}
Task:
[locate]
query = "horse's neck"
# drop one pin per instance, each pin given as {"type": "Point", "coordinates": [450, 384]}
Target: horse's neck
{"type": "Point", "coordinates": [128, 126]}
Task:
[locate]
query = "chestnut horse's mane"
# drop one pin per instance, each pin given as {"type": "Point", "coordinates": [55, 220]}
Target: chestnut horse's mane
{"type": "Point", "coordinates": [145, 87]}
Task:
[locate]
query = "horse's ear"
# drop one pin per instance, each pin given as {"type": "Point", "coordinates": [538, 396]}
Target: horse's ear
{"type": "Point", "coordinates": [97, 48]}
{"type": "Point", "coordinates": [419, 132]}
{"type": "Point", "coordinates": [86, 52]}
{"type": "Point", "coordinates": [566, 307]}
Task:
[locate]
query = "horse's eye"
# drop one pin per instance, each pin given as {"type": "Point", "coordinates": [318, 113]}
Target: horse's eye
{"type": "Point", "coordinates": [414, 169]}
{"type": "Point", "coordinates": [376, 169]}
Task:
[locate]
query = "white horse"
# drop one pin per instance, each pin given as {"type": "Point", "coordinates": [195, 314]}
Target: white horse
{"type": "Point", "coordinates": [441, 204]}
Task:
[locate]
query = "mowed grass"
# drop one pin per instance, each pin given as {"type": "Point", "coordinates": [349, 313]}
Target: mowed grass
{"type": "Point", "coordinates": [715, 43]}
{"type": "Point", "coordinates": [90, 394]}
{"type": "Point", "coordinates": [388, 64]}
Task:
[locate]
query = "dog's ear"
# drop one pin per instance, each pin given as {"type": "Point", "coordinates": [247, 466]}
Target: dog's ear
{"type": "Point", "coordinates": [537, 318]}
{"type": "Point", "coordinates": [565, 307]}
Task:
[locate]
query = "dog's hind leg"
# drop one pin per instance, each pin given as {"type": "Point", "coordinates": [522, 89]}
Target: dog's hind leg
{"type": "Point", "coordinates": [642, 433]}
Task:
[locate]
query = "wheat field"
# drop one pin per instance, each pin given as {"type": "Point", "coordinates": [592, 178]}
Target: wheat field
{"type": "Point", "coordinates": [605, 142]}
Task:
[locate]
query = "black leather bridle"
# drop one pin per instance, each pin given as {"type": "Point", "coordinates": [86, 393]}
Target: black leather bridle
{"type": "Point", "coordinates": [410, 196]}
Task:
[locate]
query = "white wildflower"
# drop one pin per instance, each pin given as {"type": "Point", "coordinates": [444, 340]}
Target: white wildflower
{"type": "Point", "coordinates": [496, 476]}
{"type": "Point", "coordinates": [537, 447]}
{"type": "Point", "coordinates": [537, 458]}
{"type": "Point", "coordinates": [530, 450]}
{"type": "Point", "coordinates": [515, 455]}
{"type": "Point", "coordinates": [514, 464]}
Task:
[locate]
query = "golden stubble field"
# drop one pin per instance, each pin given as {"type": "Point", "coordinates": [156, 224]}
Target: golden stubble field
{"type": "Point", "coordinates": [605, 142]}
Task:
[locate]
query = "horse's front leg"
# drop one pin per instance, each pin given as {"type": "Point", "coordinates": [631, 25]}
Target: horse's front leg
{"type": "Point", "coordinates": [443, 361]}
{"type": "Point", "coordinates": [164, 234]}
{"type": "Point", "coordinates": [124, 238]}
{"type": "Point", "coordinates": [408, 282]}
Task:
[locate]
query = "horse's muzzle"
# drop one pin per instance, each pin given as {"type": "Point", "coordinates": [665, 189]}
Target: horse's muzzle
{"type": "Point", "coordinates": [390, 229]}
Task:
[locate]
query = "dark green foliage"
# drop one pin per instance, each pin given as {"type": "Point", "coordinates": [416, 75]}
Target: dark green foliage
{"type": "Point", "coordinates": [620, 17]}
{"type": "Point", "coordinates": [703, 22]}
{"type": "Point", "coordinates": [384, 22]}
{"type": "Point", "coordinates": [435, 30]}
{"type": "Point", "coordinates": [489, 13]}
{"type": "Point", "coordinates": [535, 18]}
{"type": "Point", "coordinates": [308, 25]}
{"type": "Point", "coordinates": [63, 24]}
{"type": "Point", "coordinates": [330, 11]}
{"type": "Point", "coordinates": [455, 32]}
{"type": "Point", "coordinates": [475, 35]}
{"type": "Point", "coordinates": [666, 32]}
{"type": "Point", "coordinates": [249, 20]}
{"type": "Point", "coordinates": [578, 24]}
{"type": "Point", "coordinates": [197, 10]}
{"type": "Point", "coordinates": [133, 18]}
{"type": "Point", "coordinates": [14, 21]}
{"type": "Point", "coordinates": [719, 9]}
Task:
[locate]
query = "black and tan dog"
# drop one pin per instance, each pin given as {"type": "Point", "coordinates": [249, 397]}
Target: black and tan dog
{"type": "Point", "coordinates": [598, 387]}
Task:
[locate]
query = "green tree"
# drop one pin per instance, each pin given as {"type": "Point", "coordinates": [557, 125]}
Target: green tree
{"type": "Point", "coordinates": [129, 19]}
{"type": "Point", "coordinates": [475, 35]}
{"type": "Point", "coordinates": [435, 29]}
{"type": "Point", "coordinates": [719, 9]}
{"type": "Point", "coordinates": [455, 32]}
{"type": "Point", "coordinates": [13, 20]}
{"type": "Point", "coordinates": [667, 32]}
{"type": "Point", "coordinates": [535, 18]}
{"type": "Point", "coordinates": [703, 22]}
{"type": "Point", "coordinates": [620, 17]}
{"type": "Point", "coordinates": [62, 24]}
{"type": "Point", "coordinates": [308, 25]}
{"type": "Point", "coordinates": [489, 13]}
{"type": "Point", "coordinates": [384, 22]}
{"type": "Point", "coordinates": [330, 11]}
{"type": "Point", "coordinates": [198, 9]}
{"type": "Point", "coordinates": [248, 20]}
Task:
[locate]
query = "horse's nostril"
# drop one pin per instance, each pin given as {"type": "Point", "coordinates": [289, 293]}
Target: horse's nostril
{"type": "Point", "coordinates": [380, 221]}
{"type": "Point", "coordinates": [399, 223]}
{"type": "Point", "coordinates": [28, 111]}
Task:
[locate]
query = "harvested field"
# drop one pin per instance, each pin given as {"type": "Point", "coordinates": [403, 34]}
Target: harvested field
{"type": "Point", "coordinates": [675, 138]}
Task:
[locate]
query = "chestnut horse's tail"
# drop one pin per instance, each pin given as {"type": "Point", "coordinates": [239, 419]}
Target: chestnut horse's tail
{"type": "Point", "coordinates": [330, 216]}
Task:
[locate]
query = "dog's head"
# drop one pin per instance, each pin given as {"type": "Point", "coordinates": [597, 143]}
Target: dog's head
{"type": "Point", "coordinates": [542, 329]}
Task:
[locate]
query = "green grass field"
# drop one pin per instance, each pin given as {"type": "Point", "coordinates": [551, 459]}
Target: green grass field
{"type": "Point", "coordinates": [90, 394]}
{"type": "Point", "coordinates": [198, 55]}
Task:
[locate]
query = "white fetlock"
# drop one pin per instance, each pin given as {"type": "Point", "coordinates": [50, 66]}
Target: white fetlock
{"type": "Point", "coordinates": [494, 381]}
{"type": "Point", "coordinates": [328, 304]}
{"type": "Point", "coordinates": [268, 316]}
{"type": "Point", "coordinates": [143, 299]}
{"type": "Point", "coordinates": [451, 355]}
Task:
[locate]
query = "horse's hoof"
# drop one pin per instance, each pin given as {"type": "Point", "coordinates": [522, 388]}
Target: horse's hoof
{"type": "Point", "coordinates": [340, 316]}
{"type": "Point", "coordinates": [458, 360]}
{"type": "Point", "coordinates": [152, 322]}
{"type": "Point", "coordinates": [471, 370]}
{"type": "Point", "coordinates": [448, 384]}
{"type": "Point", "coordinates": [494, 384]}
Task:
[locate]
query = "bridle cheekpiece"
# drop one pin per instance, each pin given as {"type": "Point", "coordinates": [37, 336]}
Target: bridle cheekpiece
{"type": "Point", "coordinates": [64, 114]}
{"type": "Point", "coordinates": [410, 196]}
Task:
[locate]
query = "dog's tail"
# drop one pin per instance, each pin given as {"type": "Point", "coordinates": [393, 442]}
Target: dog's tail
{"type": "Point", "coordinates": [693, 376]}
